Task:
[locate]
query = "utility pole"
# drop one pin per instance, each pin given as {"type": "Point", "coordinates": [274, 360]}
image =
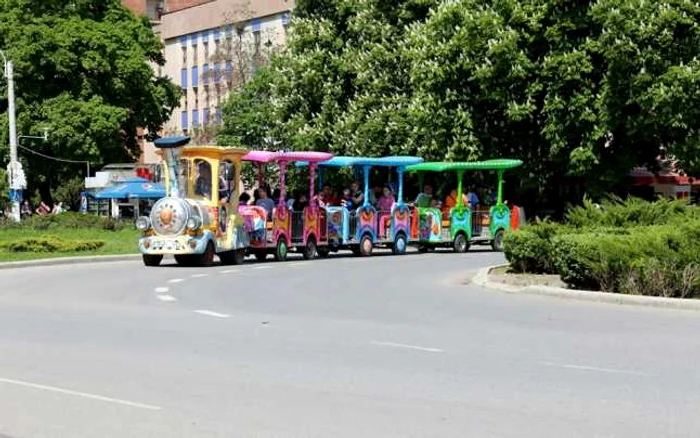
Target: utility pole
{"type": "Point", "coordinates": [14, 169]}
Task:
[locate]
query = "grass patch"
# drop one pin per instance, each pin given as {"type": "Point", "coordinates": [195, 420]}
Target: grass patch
{"type": "Point", "coordinates": [28, 243]}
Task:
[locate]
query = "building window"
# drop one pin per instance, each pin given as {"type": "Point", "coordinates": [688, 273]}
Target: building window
{"type": "Point", "coordinates": [193, 39]}
{"type": "Point", "coordinates": [285, 18]}
{"type": "Point", "coordinates": [195, 76]}
{"type": "Point", "coordinates": [229, 32]}
{"type": "Point", "coordinates": [205, 74]}
{"type": "Point", "coordinates": [183, 78]}
{"type": "Point", "coordinates": [183, 40]}
{"type": "Point", "coordinates": [184, 56]}
{"type": "Point", "coordinates": [194, 55]}
{"type": "Point", "coordinates": [195, 117]}
{"type": "Point", "coordinates": [183, 120]}
{"type": "Point", "coordinates": [205, 116]}
{"type": "Point", "coordinates": [206, 97]}
{"type": "Point", "coordinates": [256, 42]}
{"type": "Point", "coordinates": [196, 98]}
{"type": "Point", "coordinates": [206, 51]}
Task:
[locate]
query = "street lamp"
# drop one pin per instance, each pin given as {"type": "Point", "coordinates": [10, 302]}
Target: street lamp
{"type": "Point", "coordinates": [15, 173]}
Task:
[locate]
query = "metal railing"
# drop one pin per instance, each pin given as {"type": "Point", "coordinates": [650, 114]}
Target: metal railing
{"type": "Point", "coordinates": [481, 221]}
{"type": "Point", "coordinates": [297, 226]}
{"type": "Point", "coordinates": [352, 226]}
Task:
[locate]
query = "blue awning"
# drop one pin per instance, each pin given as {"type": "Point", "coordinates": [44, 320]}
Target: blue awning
{"type": "Point", "coordinates": [133, 188]}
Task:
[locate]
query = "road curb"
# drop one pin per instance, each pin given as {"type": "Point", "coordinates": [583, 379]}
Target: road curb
{"type": "Point", "coordinates": [482, 279]}
{"type": "Point", "coordinates": [69, 261]}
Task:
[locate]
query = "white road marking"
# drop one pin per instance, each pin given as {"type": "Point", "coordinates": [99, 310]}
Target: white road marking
{"type": "Point", "coordinates": [198, 275]}
{"type": "Point", "coordinates": [161, 290]}
{"type": "Point", "coordinates": [176, 280]}
{"type": "Point", "coordinates": [80, 394]}
{"type": "Point", "coordinates": [228, 271]}
{"type": "Point", "coordinates": [262, 267]}
{"type": "Point", "coordinates": [210, 313]}
{"type": "Point", "coordinates": [167, 298]}
{"type": "Point", "coordinates": [412, 347]}
{"type": "Point", "coordinates": [590, 368]}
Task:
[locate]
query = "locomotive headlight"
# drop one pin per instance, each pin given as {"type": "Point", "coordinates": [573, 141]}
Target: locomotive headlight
{"type": "Point", "coordinates": [143, 223]}
{"type": "Point", "coordinates": [193, 223]}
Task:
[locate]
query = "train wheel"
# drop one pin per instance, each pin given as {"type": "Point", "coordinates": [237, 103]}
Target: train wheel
{"type": "Point", "coordinates": [366, 246]}
{"type": "Point", "coordinates": [152, 259]}
{"type": "Point", "coordinates": [207, 258]}
{"type": "Point", "coordinates": [497, 242]}
{"type": "Point", "coordinates": [239, 256]}
{"type": "Point", "coordinates": [281, 251]}
{"type": "Point", "coordinates": [460, 244]}
{"type": "Point", "coordinates": [399, 247]}
{"type": "Point", "coordinates": [310, 249]}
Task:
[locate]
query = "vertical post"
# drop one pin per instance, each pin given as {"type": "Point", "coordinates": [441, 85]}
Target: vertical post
{"type": "Point", "coordinates": [283, 188]}
{"type": "Point", "coordinates": [499, 198]}
{"type": "Point", "coordinates": [312, 178]}
{"type": "Point", "coordinates": [399, 199]}
{"type": "Point", "coordinates": [460, 203]}
{"type": "Point", "coordinates": [15, 167]}
{"type": "Point", "coordinates": [365, 169]}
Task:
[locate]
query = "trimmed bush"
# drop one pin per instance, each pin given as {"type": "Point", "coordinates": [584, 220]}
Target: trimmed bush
{"type": "Point", "coordinates": [654, 260]}
{"type": "Point", "coordinates": [616, 212]}
{"type": "Point", "coordinates": [52, 244]}
{"type": "Point", "coordinates": [529, 249]}
{"type": "Point", "coordinates": [66, 220]}
{"type": "Point", "coordinates": [631, 246]}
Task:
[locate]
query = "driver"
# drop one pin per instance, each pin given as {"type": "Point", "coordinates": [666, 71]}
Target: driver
{"type": "Point", "coordinates": [202, 185]}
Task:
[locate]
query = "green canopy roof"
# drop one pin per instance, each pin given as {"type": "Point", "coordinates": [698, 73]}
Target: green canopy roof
{"type": "Point", "coordinates": [445, 166]}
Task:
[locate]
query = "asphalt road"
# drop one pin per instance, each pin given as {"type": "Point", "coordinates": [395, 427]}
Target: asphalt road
{"type": "Point", "coordinates": [345, 347]}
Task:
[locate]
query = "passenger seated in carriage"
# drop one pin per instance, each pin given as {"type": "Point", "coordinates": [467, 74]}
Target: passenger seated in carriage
{"type": "Point", "coordinates": [451, 202]}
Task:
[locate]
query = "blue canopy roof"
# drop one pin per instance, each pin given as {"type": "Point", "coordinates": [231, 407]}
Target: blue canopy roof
{"type": "Point", "coordinates": [171, 142]}
{"type": "Point", "coordinates": [133, 188]}
{"type": "Point", "coordinates": [343, 161]}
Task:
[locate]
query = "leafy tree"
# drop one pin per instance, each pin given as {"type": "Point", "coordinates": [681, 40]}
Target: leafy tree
{"type": "Point", "coordinates": [84, 69]}
{"type": "Point", "coordinates": [589, 88]}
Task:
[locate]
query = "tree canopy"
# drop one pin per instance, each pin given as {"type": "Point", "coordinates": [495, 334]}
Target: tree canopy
{"type": "Point", "coordinates": [589, 88]}
{"type": "Point", "coordinates": [85, 70]}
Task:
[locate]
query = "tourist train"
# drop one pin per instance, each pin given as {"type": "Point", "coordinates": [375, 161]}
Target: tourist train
{"type": "Point", "coordinates": [207, 213]}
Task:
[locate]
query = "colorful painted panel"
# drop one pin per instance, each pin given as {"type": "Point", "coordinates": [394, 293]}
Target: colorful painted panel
{"type": "Point", "coordinates": [282, 225]}
{"type": "Point", "coordinates": [500, 219]}
{"type": "Point", "coordinates": [311, 222]}
{"type": "Point", "coordinates": [254, 218]}
{"type": "Point", "coordinates": [400, 220]}
{"type": "Point", "coordinates": [430, 225]}
{"type": "Point", "coordinates": [367, 216]}
{"type": "Point", "coordinates": [338, 225]}
{"type": "Point", "coordinates": [460, 222]}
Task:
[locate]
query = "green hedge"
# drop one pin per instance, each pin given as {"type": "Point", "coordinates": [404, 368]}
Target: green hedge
{"type": "Point", "coordinates": [52, 244]}
{"type": "Point", "coordinates": [632, 247]}
{"type": "Point", "coordinates": [66, 220]}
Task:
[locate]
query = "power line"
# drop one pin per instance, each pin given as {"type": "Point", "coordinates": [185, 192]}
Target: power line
{"type": "Point", "coordinates": [64, 160]}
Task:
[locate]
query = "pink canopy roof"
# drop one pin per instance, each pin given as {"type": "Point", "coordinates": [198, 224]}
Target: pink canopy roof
{"type": "Point", "coordinates": [310, 156]}
{"type": "Point", "coordinates": [268, 156]}
{"type": "Point", "coordinates": [260, 156]}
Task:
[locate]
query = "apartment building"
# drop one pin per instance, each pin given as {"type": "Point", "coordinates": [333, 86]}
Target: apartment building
{"type": "Point", "coordinates": [214, 47]}
{"type": "Point", "coordinates": [211, 48]}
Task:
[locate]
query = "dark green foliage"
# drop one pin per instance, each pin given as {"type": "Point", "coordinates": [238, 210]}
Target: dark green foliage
{"type": "Point", "coordinates": [629, 246]}
{"type": "Point", "coordinates": [84, 69]}
{"type": "Point", "coordinates": [530, 248]}
{"type": "Point", "coordinates": [67, 220]}
{"type": "Point", "coordinates": [656, 260]}
{"type": "Point", "coordinates": [572, 88]}
{"type": "Point", "coordinates": [52, 244]}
